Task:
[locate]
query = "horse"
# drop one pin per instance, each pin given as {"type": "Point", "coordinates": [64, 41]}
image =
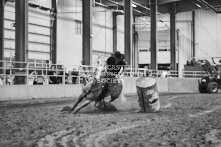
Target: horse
{"type": "Point", "coordinates": [94, 91]}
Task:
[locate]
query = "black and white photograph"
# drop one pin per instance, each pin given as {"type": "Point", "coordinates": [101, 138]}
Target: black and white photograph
{"type": "Point", "coordinates": [110, 73]}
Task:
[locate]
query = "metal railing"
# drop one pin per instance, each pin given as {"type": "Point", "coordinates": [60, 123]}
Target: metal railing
{"type": "Point", "coordinates": [31, 73]}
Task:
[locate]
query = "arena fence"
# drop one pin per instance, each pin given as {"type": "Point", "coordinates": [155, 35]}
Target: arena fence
{"type": "Point", "coordinates": [32, 73]}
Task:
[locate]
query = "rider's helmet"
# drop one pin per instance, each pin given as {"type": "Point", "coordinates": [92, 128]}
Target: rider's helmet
{"type": "Point", "coordinates": [118, 56]}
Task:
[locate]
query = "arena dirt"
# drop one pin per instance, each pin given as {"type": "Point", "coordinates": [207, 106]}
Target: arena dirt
{"type": "Point", "coordinates": [184, 120]}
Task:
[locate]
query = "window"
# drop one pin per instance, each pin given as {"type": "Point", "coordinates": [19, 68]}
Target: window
{"type": "Point", "coordinates": [77, 27]}
{"type": "Point", "coordinates": [163, 50]}
{"type": "Point", "coordinates": [143, 50]}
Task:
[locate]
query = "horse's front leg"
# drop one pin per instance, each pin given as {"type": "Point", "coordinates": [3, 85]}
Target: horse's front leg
{"type": "Point", "coordinates": [90, 98]}
{"type": "Point", "coordinates": [80, 98]}
{"type": "Point", "coordinates": [84, 104]}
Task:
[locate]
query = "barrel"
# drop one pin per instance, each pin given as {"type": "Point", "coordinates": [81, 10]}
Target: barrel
{"type": "Point", "coordinates": [148, 96]}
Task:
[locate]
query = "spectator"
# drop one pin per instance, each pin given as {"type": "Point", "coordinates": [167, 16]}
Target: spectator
{"type": "Point", "coordinates": [75, 74]}
{"type": "Point", "coordinates": [1, 80]}
{"type": "Point", "coordinates": [188, 63]}
{"type": "Point", "coordinates": [38, 78]}
{"type": "Point", "coordinates": [52, 76]}
{"type": "Point", "coordinates": [60, 76]}
{"type": "Point", "coordinates": [146, 71]}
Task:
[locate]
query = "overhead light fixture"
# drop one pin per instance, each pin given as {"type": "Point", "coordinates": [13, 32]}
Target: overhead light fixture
{"type": "Point", "coordinates": [133, 5]}
{"type": "Point", "coordinates": [198, 5]}
{"type": "Point", "coordinates": [195, 2]}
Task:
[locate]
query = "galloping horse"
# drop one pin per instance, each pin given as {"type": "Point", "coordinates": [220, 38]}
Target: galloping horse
{"type": "Point", "coordinates": [95, 91]}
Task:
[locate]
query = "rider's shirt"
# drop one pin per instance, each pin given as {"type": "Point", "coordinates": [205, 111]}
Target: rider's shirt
{"type": "Point", "coordinates": [114, 66]}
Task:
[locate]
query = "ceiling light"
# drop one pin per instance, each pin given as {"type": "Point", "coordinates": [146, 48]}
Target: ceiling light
{"type": "Point", "coordinates": [198, 5]}
{"type": "Point", "coordinates": [133, 5]}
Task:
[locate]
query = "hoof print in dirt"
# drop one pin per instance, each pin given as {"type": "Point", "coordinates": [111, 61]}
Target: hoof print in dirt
{"type": "Point", "coordinates": [105, 106]}
{"type": "Point", "coordinates": [66, 109]}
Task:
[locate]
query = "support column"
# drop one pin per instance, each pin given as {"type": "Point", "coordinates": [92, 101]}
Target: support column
{"type": "Point", "coordinates": [136, 50]}
{"type": "Point", "coordinates": [21, 39]}
{"type": "Point", "coordinates": [21, 31]}
{"type": "Point", "coordinates": [173, 36]}
{"type": "Point", "coordinates": [114, 31]}
{"type": "Point", "coordinates": [87, 32]}
{"type": "Point", "coordinates": [54, 32]}
{"type": "Point", "coordinates": [193, 33]}
{"type": "Point", "coordinates": [153, 34]}
{"type": "Point", "coordinates": [128, 30]}
{"type": "Point", "coordinates": [2, 2]}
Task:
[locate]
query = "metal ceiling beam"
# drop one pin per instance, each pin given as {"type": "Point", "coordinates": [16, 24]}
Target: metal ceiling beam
{"type": "Point", "coordinates": [161, 2]}
{"type": "Point", "coordinates": [119, 4]}
{"type": "Point", "coordinates": [209, 6]}
{"type": "Point", "coordinates": [145, 14]}
{"type": "Point", "coordinates": [116, 3]}
{"type": "Point", "coordinates": [141, 5]}
{"type": "Point", "coordinates": [182, 6]}
{"type": "Point", "coordinates": [102, 5]}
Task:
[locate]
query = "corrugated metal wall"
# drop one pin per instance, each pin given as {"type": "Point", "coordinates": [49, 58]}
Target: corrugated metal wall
{"type": "Point", "coordinates": [184, 39]}
{"type": "Point", "coordinates": [102, 30]}
{"type": "Point", "coordinates": [69, 42]}
{"type": "Point", "coordinates": [120, 33]}
{"type": "Point", "coordinates": [39, 31]}
{"type": "Point", "coordinates": [208, 34]}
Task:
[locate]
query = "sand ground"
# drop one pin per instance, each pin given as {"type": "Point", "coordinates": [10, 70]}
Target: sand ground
{"type": "Point", "coordinates": [184, 120]}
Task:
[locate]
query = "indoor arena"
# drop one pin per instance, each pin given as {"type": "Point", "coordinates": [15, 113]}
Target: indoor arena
{"type": "Point", "coordinates": [110, 73]}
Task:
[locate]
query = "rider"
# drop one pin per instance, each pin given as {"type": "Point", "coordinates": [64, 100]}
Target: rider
{"type": "Point", "coordinates": [96, 90]}
{"type": "Point", "coordinates": [115, 66]}
{"type": "Point", "coordinates": [118, 64]}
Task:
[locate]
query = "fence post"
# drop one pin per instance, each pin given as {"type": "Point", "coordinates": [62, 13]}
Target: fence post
{"type": "Point", "coordinates": [63, 76]}
{"type": "Point", "coordinates": [27, 72]}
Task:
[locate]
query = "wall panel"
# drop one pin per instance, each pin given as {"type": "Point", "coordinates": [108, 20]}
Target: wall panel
{"type": "Point", "coordinates": [39, 31]}
{"type": "Point", "coordinates": [208, 34]}
{"type": "Point", "coordinates": [69, 44]}
{"type": "Point", "coordinates": [102, 30]}
{"type": "Point", "coordinates": [45, 3]}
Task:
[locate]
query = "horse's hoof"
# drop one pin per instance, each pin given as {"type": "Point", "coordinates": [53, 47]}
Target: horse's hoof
{"type": "Point", "coordinates": [74, 112]}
